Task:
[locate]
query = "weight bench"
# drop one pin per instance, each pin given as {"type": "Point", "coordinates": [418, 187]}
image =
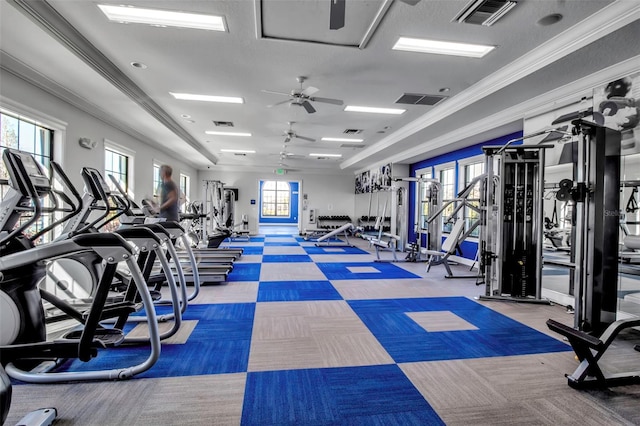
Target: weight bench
{"type": "Point", "coordinates": [386, 242]}
{"type": "Point", "coordinates": [449, 247]}
{"type": "Point", "coordinates": [590, 349]}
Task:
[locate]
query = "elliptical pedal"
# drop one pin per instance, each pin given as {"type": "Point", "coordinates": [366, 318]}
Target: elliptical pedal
{"type": "Point", "coordinates": [105, 337]}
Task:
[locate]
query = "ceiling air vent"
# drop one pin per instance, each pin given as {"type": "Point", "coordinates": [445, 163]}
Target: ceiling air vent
{"type": "Point", "coordinates": [420, 99]}
{"type": "Point", "coordinates": [352, 145]}
{"type": "Point", "coordinates": [223, 123]}
{"type": "Point", "coordinates": [484, 12]}
{"type": "Point", "coordinates": [352, 131]}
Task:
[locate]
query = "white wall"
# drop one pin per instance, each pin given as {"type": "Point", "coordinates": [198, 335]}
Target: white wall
{"type": "Point", "coordinates": [327, 194]}
{"type": "Point", "coordinates": [20, 96]}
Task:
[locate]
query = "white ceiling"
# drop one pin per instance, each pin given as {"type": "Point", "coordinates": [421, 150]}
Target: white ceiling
{"type": "Point", "coordinates": [261, 51]}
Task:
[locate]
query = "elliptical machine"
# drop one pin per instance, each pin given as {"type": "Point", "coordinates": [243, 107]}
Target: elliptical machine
{"type": "Point", "coordinates": [23, 340]}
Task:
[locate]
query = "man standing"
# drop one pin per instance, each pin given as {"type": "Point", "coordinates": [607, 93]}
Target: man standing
{"type": "Point", "coordinates": [168, 194]}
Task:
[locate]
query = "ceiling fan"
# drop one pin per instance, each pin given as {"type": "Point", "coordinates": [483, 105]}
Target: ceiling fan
{"type": "Point", "coordinates": [290, 134]}
{"type": "Point", "coordinates": [303, 97]}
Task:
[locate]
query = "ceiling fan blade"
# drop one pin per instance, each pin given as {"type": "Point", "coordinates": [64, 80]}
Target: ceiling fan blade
{"type": "Point", "coordinates": [328, 101]}
{"type": "Point", "coordinates": [410, 2]}
{"type": "Point", "coordinates": [305, 138]}
{"type": "Point", "coordinates": [336, 15]}
{"type": "Point", "coordinates": [309, 91]}
{"type": "Point", "coordinates": [277, 103]}
{"type": "Point", "coordinates": [307, 106]}
{"type": "Point", "coordinates": [275, 93]}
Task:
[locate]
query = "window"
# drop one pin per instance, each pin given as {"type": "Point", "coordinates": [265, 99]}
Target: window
{"type": "Point", "coordinates": [185, 183]}
{"type": "Point", "coordinates": [116, 165]}
{"type": "Point", "coordinates": [26, 135]}
{"type": "Point", "coordinates": [472, 171]}
{"type": "Point", "coordinates": [425, 198]}
{"type": "Point", "coordinates": [276, 197]}
{"type": "Point", "coordinates": [447, 180]}
{"type": "Point", "coordinates": [156, 181]}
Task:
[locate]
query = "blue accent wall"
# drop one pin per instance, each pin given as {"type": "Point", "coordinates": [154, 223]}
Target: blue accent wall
{"type": "Point", "coordinates": [293, 211]}
{"type": "Point", "coordinates": [469, 248]}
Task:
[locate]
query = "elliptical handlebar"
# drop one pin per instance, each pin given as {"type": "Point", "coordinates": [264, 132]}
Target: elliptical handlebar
{"type": "Point", "coordinates": [76, 207]}
{"type": "Point", "coordinates": [94, 184]}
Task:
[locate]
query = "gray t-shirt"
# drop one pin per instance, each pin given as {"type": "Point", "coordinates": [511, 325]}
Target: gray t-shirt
{"type": "Point", "coordinates": [170, 212]}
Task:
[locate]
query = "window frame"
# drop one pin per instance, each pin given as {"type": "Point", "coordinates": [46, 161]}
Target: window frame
{"type": "Point", "coordinates": [463, 181]}
{"type": "Point", "coordinates": [126, 152]}
{"type": "Point", "coordinates": [184, 191]}
{"type": "Point", "coordinates": [55, 130]}
{"type": "Point", "coordinates": [422, 210]}
{"type": "Point", "coordinates": [275, 202]}
{"type": "Point", "coordinates": [437, 171]}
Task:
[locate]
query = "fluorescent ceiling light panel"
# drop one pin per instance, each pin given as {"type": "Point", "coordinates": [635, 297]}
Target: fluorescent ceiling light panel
{"type": "Point", "coordinates": [442, 47]}
{"type": "Point", "coordinates": [342, 140]}
{"type": "Point", "coordinates": [207, 98]}
{"type": "Point", "coordinates": [239, 151]}
{"type": "Point", "coordinates": [213, 132]}
{"type": "Point", "coordinates": [354, 108]}
{"type": "Point", "coordinates": [165, 18]}
{"type": "Point", "coordinates": [325, 155]}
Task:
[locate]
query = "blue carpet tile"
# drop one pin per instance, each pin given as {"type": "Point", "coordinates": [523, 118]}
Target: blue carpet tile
{"type": "Point", "coordinates": [334, 250]}
{"type": "Point", "coordinates": [376, 395]}
{"type": "Point", "coordinates": [281, 244]}
{"type": "Point", "coordinates": [287, 291]}
{"type": "Point", "coordinates": [282, 258]}
{"type": "Point", "coordinates": [378, 271]}
{"type": "Point", "coordinates": [406, 341]}
{"type": "Point", "coordinates": [245, 272]}
{"type": "Point", "coordinates": [219, 344]}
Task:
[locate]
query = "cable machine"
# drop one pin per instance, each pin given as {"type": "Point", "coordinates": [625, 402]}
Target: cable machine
{"type": "Point", "coordinates": [512, 222]}
{"type": "Point", "coordinates": [219, 206]}
{"type": "Point", "coordinates": [596, 193]}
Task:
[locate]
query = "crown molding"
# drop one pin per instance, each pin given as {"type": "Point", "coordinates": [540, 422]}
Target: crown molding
{"type": "Point", "coordinates": [33, 77]}
{"type": "Point", "coordinates": [47, 18]}
{"type": "Point", "coordinates": [596, 26]}
{"type": "Point", "coordinates": [546, 102]}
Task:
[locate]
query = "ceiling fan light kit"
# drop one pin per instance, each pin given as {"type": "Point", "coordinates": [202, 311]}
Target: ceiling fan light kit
{"type": "Point", "coordinates": [303, 97]}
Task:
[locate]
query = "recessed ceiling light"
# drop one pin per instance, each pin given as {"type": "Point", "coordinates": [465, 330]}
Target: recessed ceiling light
{"type": "Point", "coordinates": [444, 90]}
{"type": "Point", "coordinates": [325, 155]}
{"type": "Point", "coordinates": [442, 47]}
{"type": "Point", "coordinates": [185, 116]}
{"type": "Point", "coordinates": [139, 65]}
{"type": "Point", "coordinates": [213, 132]}
{"type": "Point", "coordinates": [207, 98]}
{"type": "Point", "coordinates": [545, 21]}
{"type": "Point", "coordinates": [188, 120]}
{"type": "Point", "coordinates": [163, 18]}
{"type": "Point", "coordinates": [239, 151]}
{"type": "Point", "coordinates": [341, 140]}
{"type": "Point", "coordinates": [354, 108]}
